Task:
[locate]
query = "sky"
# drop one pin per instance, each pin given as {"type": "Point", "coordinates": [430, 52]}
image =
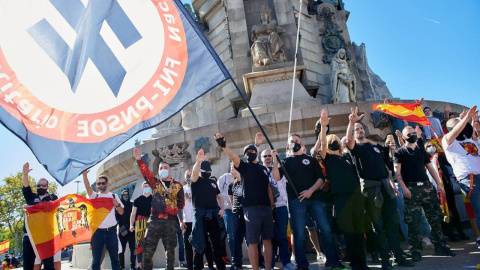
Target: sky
{"type": "Point", "coordinates": [426, 48]}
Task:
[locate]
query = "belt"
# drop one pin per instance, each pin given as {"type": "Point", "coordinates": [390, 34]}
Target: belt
{"type": "Point", "coordinates": [113, 228]}
{"type": "Point", "coordinates": [416, 184]}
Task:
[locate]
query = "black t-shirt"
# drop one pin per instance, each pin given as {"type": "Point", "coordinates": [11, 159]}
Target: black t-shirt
{"type": "Point", "coordinates": [204, 193]}
{"type": "Point", "coordinates": [413, 164]}
{"type": "Point", "coordinates": [369, 161]}
{"type": "Point", "coordinates": [235, 189]}
{"type": "Point", "coordinates": [144, 206]}
{"type": "Point", "coordinates": [124, 219]}
{"type": "Point", "coordinates": [342, 173]}
{"type": "Point", "coordinates": [304, 172]}
{"type": "Point", "coordinates": [255, 181]}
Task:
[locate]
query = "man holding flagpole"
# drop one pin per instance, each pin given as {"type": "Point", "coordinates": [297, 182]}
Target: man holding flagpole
{"type": "Point", "coordinates": [106, 234]}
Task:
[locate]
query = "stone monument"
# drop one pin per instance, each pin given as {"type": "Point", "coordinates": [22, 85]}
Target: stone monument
{"type": "Point", "coordinates": [343, 80]}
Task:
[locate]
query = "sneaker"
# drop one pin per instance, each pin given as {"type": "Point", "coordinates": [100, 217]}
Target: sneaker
{"type": "Point", "coordinates": [403, 262]}
{"type": "Point", "coordinates": [444, 251]}
{"type": "Point", "coordinates": [321, 258]}
{"type": "Point", "coordinates": [225, 260]}
{"type": "Point", "coordinates": [182, 263]}
{"type": "Point", "coordinates": [427, 243]}
{"type": "Point", "coordinates": [416, 256]}
{"type": "Point", "coordinates": [386, 264]}
{"type": "Point", "coordinates": [289, 266]}
{"type": "Point", "coordinates": [375, 258]}
{"type": "Point", "coordinates": [292, 259]}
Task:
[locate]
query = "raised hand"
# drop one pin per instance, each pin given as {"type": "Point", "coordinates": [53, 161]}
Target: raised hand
{"type": "Point", "coordinates": [84, 173]}
{"type": "Point", "coordinates": [354, 117]}
{"type": "Point", "coordinates": [418, 130]}
{"type": "Point", "coordinates": [26, 168]}
{"type": "Point", "coordinates": [274, 154]}
{"type": "Point", "coordinates": [398, 133]}
{"type": "Point", "coordinates": [324, 119]}
{"type": "Point", "coordinates": [463, 114]}
{"type": "Point", "coordinates": [200, 155]}
{"type": "Point", "coordinates": [419, 101]}
{"type": "Point", "coordinates": [137, 154]}
{"type": "Point", "coordinates": [472, 112]}
{"type": "Point", "coordinates": [258, 139]}
{"type": "Point", "coordinates": [447, 108]}
{"type": "Point", "coordinates": [386, 101]}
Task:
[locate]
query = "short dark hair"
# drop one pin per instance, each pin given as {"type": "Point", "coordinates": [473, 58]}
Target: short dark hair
{"type": "Point", "coordinates": [294, 134]}
{"type": "Point", "coordinates": [163, 162]}
{"type": "Point", "coordinates": [426, 108]}
{"type": "Point", "coordinates": [103, 177]}
{"type": "Point", "coordinates": [125, 190]}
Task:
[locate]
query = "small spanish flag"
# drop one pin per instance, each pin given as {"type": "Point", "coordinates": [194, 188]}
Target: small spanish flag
{"type": "Point", "coordinates": [54, 225]}
{"type": "Point", "coordinates": [405, 111]}
{"type": "Point", "coordinates": [4, 246]}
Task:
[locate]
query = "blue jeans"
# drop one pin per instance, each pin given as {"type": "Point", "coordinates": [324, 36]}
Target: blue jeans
{"type": "Point", "coordinates": [229, 226]}
{"type": "Point", "coordinates": [106, 239]}
{"type": "Point", "coordinates": [181, 247]}
{"type": "Point", "coordinates": [401, 208]}
{"type": "Point", "coordinates": [298, 212]}
{"type": "Point", "coordinates": [281, 222]}
{"type": "Point", "coordinates": [475, 197]}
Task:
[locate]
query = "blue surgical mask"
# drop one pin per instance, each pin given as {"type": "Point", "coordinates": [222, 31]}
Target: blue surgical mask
{"type": "Point", "coordinates": [163, 174]}
{"type": "Point", "coordinates": [147, 191]}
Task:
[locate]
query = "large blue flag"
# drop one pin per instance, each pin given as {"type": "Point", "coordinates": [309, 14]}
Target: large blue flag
{"type": "Point", "coordinates": [78, 78]}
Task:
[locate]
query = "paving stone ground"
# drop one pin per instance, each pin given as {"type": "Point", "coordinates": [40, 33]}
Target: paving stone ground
{"type": "Point", "coordinates": [468, 257]}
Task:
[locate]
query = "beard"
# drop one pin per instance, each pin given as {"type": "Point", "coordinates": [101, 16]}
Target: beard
{"type": "Point", "coordinates": [360, 136]}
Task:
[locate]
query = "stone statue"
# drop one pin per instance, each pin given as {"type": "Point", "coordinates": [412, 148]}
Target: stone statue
{"type": "Point", "coordinates": [267, 46]}
{"type": "Point", "coordinates": [343, 80]}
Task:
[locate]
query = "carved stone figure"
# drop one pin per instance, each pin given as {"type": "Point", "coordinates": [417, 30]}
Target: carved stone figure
{"type": "Point", "coordinates": [343, 80]}
{"type": "Point", "coordinates": [332, 39]}
{"type": "Point", "coordinates": [267, 46]}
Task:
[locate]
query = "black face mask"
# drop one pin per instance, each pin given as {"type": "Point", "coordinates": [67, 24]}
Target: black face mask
{"type": "Point", "coordinates": [334, 146]}
{"type": "Point", "coordinates": [125, 198]}
{"type": "Point", "coordinates": [41, 191]}
{"type": "Point", "coordinates": [295, 147]}
{"type": "Point", "coordinates": [466, 133]}
{"type": "Point", "coordinates": [411, 139]}
{"type": "Point", "coordinates": [251, 157]}
{"type": "Point", "coordinates": [205, 175]}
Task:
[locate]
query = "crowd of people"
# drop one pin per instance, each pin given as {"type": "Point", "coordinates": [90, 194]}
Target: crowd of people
{"type": "Point", "coordinates": [353, 195]}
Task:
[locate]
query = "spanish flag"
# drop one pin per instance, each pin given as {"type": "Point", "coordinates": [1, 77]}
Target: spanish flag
{"type": "Point", "coordinates": [54, 225]}
{"type": "Point", "coordinates": [4, 246]}
{"type": "Point", "coordinates": [405, 111]}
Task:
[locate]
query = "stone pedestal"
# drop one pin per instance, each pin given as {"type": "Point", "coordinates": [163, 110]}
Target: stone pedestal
{"type": "Point", "coordinates": [271, 90]}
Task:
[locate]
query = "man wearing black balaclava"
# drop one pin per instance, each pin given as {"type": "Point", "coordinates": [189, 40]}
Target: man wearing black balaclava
{"type": "Point", "coordinates": [462, 153]}
{"type": "Point", "coordinates": [256, 204]}
{"type": "Point", "coordinates": [124, 234]}
{"type": "Point", "coordinates": [32, 198]}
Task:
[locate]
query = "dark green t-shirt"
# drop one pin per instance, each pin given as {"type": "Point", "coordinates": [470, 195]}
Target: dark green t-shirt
{"type": "Point", "coordinates": [304, 172]}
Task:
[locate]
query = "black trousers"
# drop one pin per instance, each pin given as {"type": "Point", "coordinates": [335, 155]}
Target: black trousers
{"type": "Point", "coordinates": [349, 213]}
{"type": "Point", "coordinates": [130, 238]}
{"type": "Point", "coordinates": [189, 248]}
{"type": "Point", "coordinates": [211, 230]}
{"type": "Point", "coordinates": [29, 256]}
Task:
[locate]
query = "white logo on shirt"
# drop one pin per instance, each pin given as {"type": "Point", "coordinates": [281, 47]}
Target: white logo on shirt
{"type": "Point", "coordinates": [213, 185]}
{"type": "Point", "coordinates": [306, 162]}
{"type": "Point", "coordinates": [376, 150]}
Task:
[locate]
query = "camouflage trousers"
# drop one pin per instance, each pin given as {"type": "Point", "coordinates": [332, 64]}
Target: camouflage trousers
{"type": "Point", "coordinates": [423, 197]}
{"type": "Point", "coordinates": [157, 228]}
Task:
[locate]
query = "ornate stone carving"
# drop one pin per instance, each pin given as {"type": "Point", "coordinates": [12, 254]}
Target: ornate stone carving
{"type": "Point", "coordinates": [332, 40]}
{"type": "Point", "coordinates": [313, 5]}
{"type": "Point", "coordinates": [172, 154]}
{"type": "Point", "coordinates": [202, 143]}
{"type": "Point", "coordinates": [379, 120]}
{"type": "Point", "coordinates": [343, 80]}
{"type": "Point", "coordinates": [267, 47]}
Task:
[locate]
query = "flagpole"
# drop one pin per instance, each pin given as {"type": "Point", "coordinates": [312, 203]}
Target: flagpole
{"type": "Point", "coordinates": [289, 181]}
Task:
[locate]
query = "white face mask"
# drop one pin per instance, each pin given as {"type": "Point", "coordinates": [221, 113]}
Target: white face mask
{"type": "Point", "coordinates": [431, 150]}
{"type": "Point", "coordinates": [147, 191]}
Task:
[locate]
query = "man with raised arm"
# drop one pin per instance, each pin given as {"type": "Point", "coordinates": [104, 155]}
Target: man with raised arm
{"type": "Point", "coordinates": [462, 153]}
{"type": "Point", "coordinates": [106, 234]}
{"type": "Point", "coordinates": [379, 191]}
{"type": "Point", "coordinates": [409, 164]}
{"type": "Point", "coordinates": [167, 199]}
{"type": "Point", "coordinates": [256, 204]}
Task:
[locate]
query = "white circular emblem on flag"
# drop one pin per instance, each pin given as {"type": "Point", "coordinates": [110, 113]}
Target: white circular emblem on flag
{"type": "Point", "coordinates": [98, 67]}
{"type": "Point", "coordinates": [306, 162]}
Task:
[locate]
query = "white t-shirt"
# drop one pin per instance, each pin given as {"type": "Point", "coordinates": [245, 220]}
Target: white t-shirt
{"type": "Point", "coordinates": [223, 183]}
{"type": "Point", "coordinates": [463, 156]}
{"type": "Point", "coordinates": [282, 188]}
{"type": "Point", "coordinates": [110, 220]}
{"type": "Point", "coordinates": [188, 208]}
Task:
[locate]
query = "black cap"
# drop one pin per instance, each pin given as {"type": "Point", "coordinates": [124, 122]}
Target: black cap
{"type": "Point", "coordinates": [205, 166]}
{"type": "Point", "coordinates": [251, 146]}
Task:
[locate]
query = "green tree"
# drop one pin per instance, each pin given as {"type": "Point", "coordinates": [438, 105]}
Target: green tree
{"type": "Point", "coordinates": [11, 202]}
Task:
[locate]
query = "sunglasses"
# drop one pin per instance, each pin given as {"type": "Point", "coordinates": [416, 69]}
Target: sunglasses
{"type": "Point", "coordinates": [101, 183]}
{"type": "Point", "coordinates": [411, 134]}
{"type": "Point", "coordinates": [42, 185]}
{"type": "Point", "coordinates": [267, 156]}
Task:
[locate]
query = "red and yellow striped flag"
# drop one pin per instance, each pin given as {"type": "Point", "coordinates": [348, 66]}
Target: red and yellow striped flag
{"type": "Point", "coordinates": [405, 111]}
{"type": "Point", "coordinates": [54, 225]}
{"type": "Point", "coordinates": [4, 246]}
